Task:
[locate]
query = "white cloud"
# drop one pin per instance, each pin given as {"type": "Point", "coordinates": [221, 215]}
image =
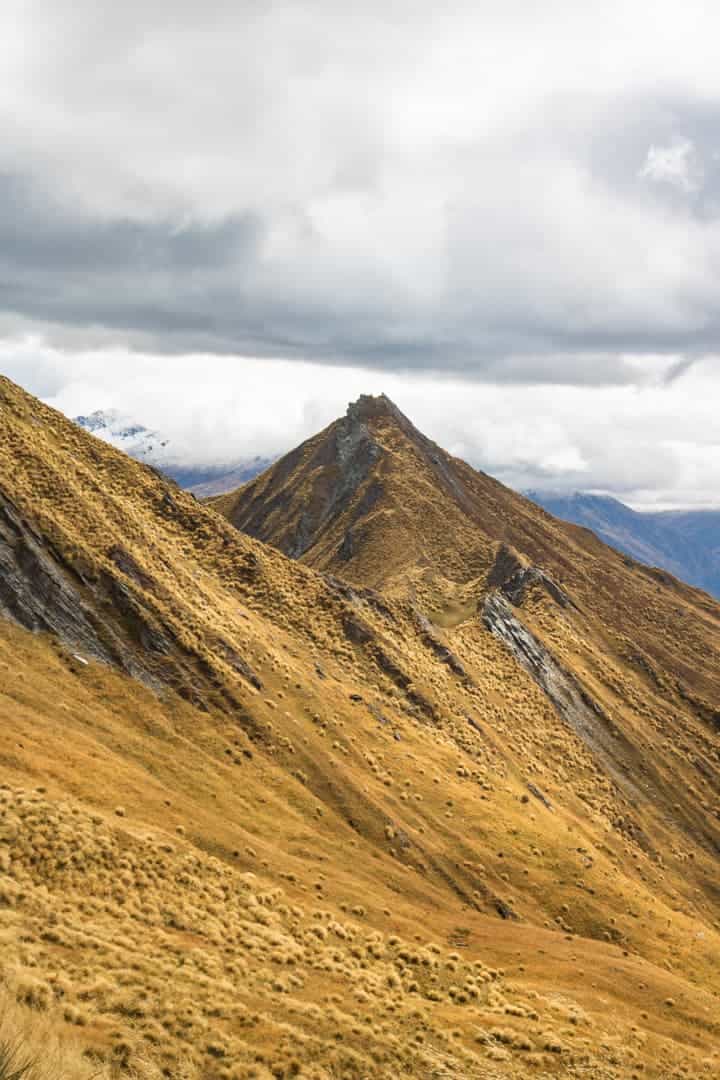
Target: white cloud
{"type": "Point", "coordinates": [402, 185]}
{"type": "Point", "coordinates": [674, 164]}
{"type": "Point", "coordinates": [506, 216]}
{"type": "Point", "coordinates": [653, 443]}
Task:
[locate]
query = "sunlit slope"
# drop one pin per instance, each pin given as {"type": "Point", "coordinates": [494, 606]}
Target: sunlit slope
{"type": "Point", "coordinates": [374, 500]}
{"type": "Point", "coordinates": [371, 496]}
{"type": "Point", "coordinates": [430, 818]}
{"type": "Point", "coordinates": [140, 902]}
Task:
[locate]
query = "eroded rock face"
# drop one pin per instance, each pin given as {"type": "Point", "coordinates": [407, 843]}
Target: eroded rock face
{"type": "Point", "coordinates": [439, 648]}
{"type": "Point", "coordinates": [327, 474]}
{"type": "Point", "coordinates": [517, 586]}
{"type": "Point", "coordinates": [95, 613]}
{"type": "Point", "coordinates": [514, 576]}
{"type": "Point", "coordinates": [104, 616]}
{"type": "Point", "coordinates": [38, 591]}
{"type": "Point", "coordinates": [572, 702]}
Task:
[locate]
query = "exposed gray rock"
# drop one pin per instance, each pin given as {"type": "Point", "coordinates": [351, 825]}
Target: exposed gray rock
{"type": "Point", "coordinates": [535, 790]}
{"type": "Point", "coordinates": [518, 585]}
{"type": "Point", "coordinates": [130, 567]}
{"type": "Point", "coordinates": [572, 702]}
{"type": "Point", "coordinates": [105, 616]}
{"type": "Point", "coordinates": [356, 629]}
{"type": "Point", "coordinates": [347, 548]}
{"type": "Point", "coordinates": [41, 593]}
{"type": "Point", "coordinates": [439, 648]}
{"type": "Point", "coordinates": [514, 577]}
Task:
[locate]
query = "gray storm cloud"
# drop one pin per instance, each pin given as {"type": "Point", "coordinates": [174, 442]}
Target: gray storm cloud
{"type": "Point", "coordinates": [228, 219]}
{"type": "Point", "coordinates": [498, 194]}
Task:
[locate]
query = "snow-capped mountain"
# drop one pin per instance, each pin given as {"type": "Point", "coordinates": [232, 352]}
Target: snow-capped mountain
{"type": "Point", "coordinates": [134, 439]}
{"type": "Point", "coordinates": [152, 448]}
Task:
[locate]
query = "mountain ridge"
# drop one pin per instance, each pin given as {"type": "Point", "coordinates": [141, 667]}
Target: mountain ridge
{"type": "Point", "coordinates": [282, 823]}
{"type": "Point", "coordinates": [422, 525]}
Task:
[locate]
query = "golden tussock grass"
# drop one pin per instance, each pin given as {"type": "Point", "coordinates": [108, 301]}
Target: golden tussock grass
{"type": "Point", "coordinates": [211, 878]}
{"type": "Point", "coordinates": [36, 1044]}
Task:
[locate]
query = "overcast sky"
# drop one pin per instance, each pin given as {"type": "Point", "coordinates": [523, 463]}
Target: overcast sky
{"type": "Point", "coordinates": [227, 219]}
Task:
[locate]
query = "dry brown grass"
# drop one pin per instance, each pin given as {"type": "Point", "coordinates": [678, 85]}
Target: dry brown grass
{"type": "Point", "coordinates": [37, 1045]}
{"type": "Point", "coordinates": [310, 875]}
{"type": "Point", "coordinates": [156, 952]}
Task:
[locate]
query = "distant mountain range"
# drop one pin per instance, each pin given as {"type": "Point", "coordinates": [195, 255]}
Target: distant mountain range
{"type": "Point", "coordinates": [685, 542]}
{"type": "Point", "coordinates": [153, 448]}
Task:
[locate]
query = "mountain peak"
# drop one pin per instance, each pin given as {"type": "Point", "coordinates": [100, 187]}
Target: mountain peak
{"type": "Point", "coordinates": [371, 407]}
{"type": "Point", "coordinates": [111, 425]}
{"type": "Point", "coordinates": [99, 419]}
{"type": "Point", "coordinates": [311, 498]}
{"type": "Point", "coordinates": [374, 415]}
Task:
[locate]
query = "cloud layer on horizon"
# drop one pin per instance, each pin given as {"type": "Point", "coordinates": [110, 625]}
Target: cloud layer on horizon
{"type": "Point", "coordinates": [653, 445]}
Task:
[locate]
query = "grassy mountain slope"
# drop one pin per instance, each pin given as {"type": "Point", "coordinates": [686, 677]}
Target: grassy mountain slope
{"type": "Point", "coordinates": [257, 822]}
{"type": "Point", "coordinates": [373, 499]}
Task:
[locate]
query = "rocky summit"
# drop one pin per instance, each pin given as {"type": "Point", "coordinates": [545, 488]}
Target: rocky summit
{"type": "Point", "coordinates": [369, 769]}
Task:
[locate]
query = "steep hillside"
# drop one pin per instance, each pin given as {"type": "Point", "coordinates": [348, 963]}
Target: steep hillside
{"type": "Point", "coordinates": [685, 542]}
{"type": "Point", "coordinates": [372, 499]}
{"type": "Point", "coordinates": [256, 821]}
{"type": "Point", "coordinates": [629, 657]}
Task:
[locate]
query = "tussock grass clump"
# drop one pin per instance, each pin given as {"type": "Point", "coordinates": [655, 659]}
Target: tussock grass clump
{"type": "Point", "coordinates": [135, 916]}
{"type": "Point", "coordinates": [38, 1046]}
{"type": "Point", "coordinates": [12, 1065]}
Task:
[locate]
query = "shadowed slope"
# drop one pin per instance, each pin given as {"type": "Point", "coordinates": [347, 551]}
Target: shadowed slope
{"type": "Point", "coordinates": [255, 820]}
